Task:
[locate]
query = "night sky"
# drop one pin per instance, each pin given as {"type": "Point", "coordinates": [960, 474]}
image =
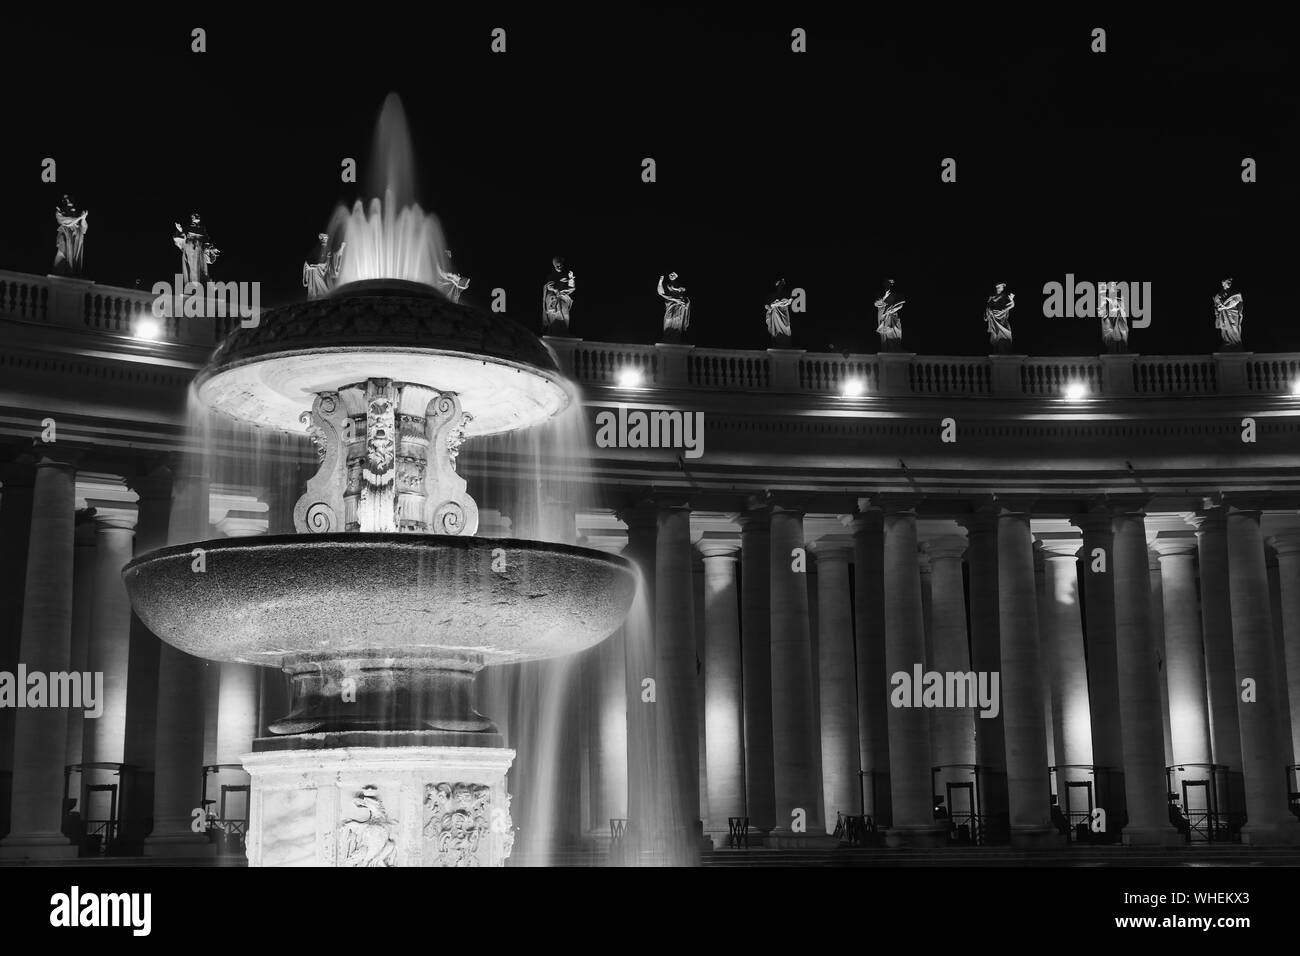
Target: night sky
{"type": "Point", "coordinates": [821, 167]}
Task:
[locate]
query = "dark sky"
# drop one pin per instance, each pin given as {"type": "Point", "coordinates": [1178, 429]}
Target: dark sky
{"type": "Point", "coordinates": [822, 167]}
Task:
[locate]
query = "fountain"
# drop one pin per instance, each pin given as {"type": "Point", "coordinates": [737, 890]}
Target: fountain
{"type": "Point", "coordinates": [385, 603]}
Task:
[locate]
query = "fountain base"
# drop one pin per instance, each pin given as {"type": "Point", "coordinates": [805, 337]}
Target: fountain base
{"type": "Point", "coordinates": [378, 799]}
{"type": "Point", "coordinates": [370, 691]}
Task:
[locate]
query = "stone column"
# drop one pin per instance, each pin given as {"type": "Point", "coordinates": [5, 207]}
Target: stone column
{"type": "Point", "coordinates": [1189, 718]}
{"type": "Point", "coordinates": [1098, 557]}
{"type": "Point", "coordinates": [178, 753]}
{"type": "Point", "coordinates": [639, 664]}
{"type": "Point", "coordinates": [701, 631]}
{"type": "Point", "coordinates": [756, 664]}
{"type": "Point", "coordinates": [678, 735]}
{"type": "Point", "coordinates": [137, 806]}
{"type": "Point", "coordinates": [927, 616]}
{"type": "Point", "coordinates": [1287, 546]}
{"type": "Point", "coordinates": [1044, 667]}
{"type": "Point", "coordinates": [873, 680]}
{"type": "Point", "coordinates": [83, 613]}
{"type": "Point", "coordinates": [990, 740]}
{"type": "Point", "coordinates": [1216, 630]}
{"type": "Point", "coordinates": [15, 528]}
{"type": "Point", "coordinates": [1263, 758]}
{"type": "Point", "coordinates": [1139, 688]}
{"type": "Point", "coordinates": [838, 677]}
{"type": "Point", "coordinates": [724, 704]}
{"type": "Point", "coordinates": [1157, 613]}
{"type": "Point", "coordinates": [1028, 792]}
{"type": "Point", "coordinates": [794, 721]}
{"type": "Point", "coordinates": [952, 730]}
{"type": "Point", "coordinates": [41, 733]}
{"type": "Point", "coordinates": [1279, 652]}
{"type": "Point", "coordinates": [236, 711]}
{"type": "Point", "coordinates": [608, 744]}
{"type": "Point", "coordinates": [909, 726]}
{"type": "Point", "coordinates": [1066, 667]}
{"type": "Point", "coordinates": [110, 641]}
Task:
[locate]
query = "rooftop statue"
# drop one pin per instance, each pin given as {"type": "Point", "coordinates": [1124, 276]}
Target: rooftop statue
{"type": "Point", "coordinates": [889, 318]}
{"type": "Point", "coordinates": [997, 318]}
{"type": "Point", "coordinates": [197, 250]}
{"type": "Point", "coordinates": [778, 314]}
{"type": "Point", "coordinates": [70, 241]}
{"type": "Point", "coordinates": [1114, 317]}
{"type": "Point", "coordinates": [557, 299]}
{"type": "Point", "coordinates": [677, 307]}
{"type": "Point", "coordinates": [318, 276]}
{"type": "Point", "coordinates": [452, 283]}
{"type": "Point", "coordinates": [1229, 316]}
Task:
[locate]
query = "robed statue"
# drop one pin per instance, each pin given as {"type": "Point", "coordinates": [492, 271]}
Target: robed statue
{"type": "Point", "coordinates": [557, 298]}
{"type": "Point", "coordinates": [778, 314]}
{"type": "Point", "coordinates": [197, 250]}
{"type": "Point", "coordinates": [318, 275]}
{"type": "Point", "coordinates": [1229, 314]}
{"type": "Point", "coordinates": [677, 307]}
{"type": "Point", "coordinates": [70, 240]}
{"type": "Point", "coordinates": [889, 318]}
{"type": "Point", "coordinates": [997, 318]}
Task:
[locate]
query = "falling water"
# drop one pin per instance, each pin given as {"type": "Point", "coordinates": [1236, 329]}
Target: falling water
{"type": "Point", "coordinates": [531, 485]}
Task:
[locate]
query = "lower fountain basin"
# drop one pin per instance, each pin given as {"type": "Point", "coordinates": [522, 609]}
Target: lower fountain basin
{"type": "Point", "coordinates": [457, 603]}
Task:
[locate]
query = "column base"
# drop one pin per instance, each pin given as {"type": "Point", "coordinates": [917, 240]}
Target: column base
{"type": "Point", "coordinates": [1037, 838]}
{"type": "Point", "coordinates": [917, 836]}
{"type": "Point", "coordinates": [179, 845]}
{"type": "Point", "coordinates": [1286, 833]}
{"type": "Point", "coordinates": [37, 846]}
{"type": "Point", "coordinates": [785, 840]}
{"type": "Point", "coordinates": [379, 806]}
{"type": "Point", "coordinates": [1151, 836]}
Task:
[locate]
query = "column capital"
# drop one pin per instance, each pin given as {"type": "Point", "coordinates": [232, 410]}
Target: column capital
{"type": "Point", "coordinates": [864, 521]}
{"type": "Point", "coordinates": [1170, 544]}
{"type": "Point", "coordinates": [1243, 510]}
{"type": "Point", "coordinates": [1211, 518]}
{"type": "Point", "coordinates": [718, 550]}
{"type": "Point", "coordinates": [890, 502]}
{"type": "Point", "coordinates": [637, 514]}
{"type": "Point", "coordinates": [1286, 541]}
{"type": "Point", "coordinates": [946, 546]}
{"type": "Point", "coordinates": [113, 520]}
{"type": "Point", "coordinates": [1058, 546]}
{"type": "Point", "coordinates": [832, 549]}
{"type": "Point", "coordinates": [755, 522]}
{"type": "Point", "coordinates": [154, 485]}
{"type": "Point", "coordinates": [51, 456]}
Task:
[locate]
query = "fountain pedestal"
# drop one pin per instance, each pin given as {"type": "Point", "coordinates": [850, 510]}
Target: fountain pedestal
{"type": "Point", "coordinates": [377, 799]}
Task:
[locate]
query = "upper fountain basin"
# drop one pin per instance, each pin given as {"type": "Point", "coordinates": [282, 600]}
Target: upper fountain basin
{"type": "Point", "coordinates": [269, 374]}
{"type": "Point", "coordinates": [263, 599]}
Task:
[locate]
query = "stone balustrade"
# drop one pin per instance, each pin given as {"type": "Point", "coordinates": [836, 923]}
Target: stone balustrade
{"type": "Point", "coordinates": [114, 311]}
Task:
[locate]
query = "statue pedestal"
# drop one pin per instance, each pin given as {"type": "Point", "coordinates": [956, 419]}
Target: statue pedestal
{"type": "Point", "coordinates": [391, 804]}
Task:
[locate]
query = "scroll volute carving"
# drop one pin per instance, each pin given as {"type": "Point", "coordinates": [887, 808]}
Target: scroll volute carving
{"type": "Point", "coordinates": [320, 510]}
{"type": "Point", "coordinates": [448, 509]}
